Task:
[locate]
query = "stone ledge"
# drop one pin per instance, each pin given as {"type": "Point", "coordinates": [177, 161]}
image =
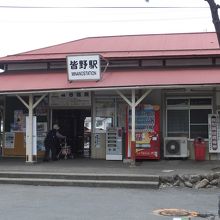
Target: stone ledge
{"type": "Point", "coordinates": [210, 180]}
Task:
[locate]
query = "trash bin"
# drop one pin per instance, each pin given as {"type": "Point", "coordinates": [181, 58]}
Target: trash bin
{"type": "Point", "coordinates": [199, 148]}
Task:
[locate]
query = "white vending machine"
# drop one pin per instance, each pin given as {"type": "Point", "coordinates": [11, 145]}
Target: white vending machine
{"type": "Point", "coordinates": [114, 144]}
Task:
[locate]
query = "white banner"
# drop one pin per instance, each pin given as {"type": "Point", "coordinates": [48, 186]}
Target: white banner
{"type": "Point", "coordinates": [214, 133]}
{"type": "Point", "coordinates": [33, 136]}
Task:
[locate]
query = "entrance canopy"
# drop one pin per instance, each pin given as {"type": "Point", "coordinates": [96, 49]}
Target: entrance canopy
{"type": "Point", "coordinates": [37, 81]}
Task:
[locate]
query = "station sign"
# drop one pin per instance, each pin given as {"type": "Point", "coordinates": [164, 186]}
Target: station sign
{"type": "Point", "coordinates": [83, 67]}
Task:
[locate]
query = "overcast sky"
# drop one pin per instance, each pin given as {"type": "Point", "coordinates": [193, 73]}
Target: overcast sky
{"type": "Point", "coordinates": [24, 27]}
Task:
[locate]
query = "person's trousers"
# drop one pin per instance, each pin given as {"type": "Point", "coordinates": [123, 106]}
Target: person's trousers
{"type": "Point", "coordinates": [53, 151]}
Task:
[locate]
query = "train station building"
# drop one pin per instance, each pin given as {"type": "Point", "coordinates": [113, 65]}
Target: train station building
{"type": "Point", "coordinates": [115, 98]}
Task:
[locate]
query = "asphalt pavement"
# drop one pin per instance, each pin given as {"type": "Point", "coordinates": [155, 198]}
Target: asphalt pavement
{"type": "Point", "coordinates": [82, 203]}
{"type": "Point", "coordinates": [92, 166]}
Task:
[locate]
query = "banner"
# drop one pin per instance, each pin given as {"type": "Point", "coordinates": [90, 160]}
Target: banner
{"type": "Point", "coordinates": [214, 133]}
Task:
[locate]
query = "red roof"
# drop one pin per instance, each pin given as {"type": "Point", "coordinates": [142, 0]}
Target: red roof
{"type": "Point", "coordinates": [43, 81]}
{"type": "Point", "coordinates": [153, 45]}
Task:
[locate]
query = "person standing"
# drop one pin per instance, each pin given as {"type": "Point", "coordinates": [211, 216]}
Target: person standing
{"type": "Point", "coordinates": [52, 143]}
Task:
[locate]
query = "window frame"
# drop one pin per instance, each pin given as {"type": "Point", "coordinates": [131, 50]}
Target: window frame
{"type": "Point", "coordinates": [188, 107]}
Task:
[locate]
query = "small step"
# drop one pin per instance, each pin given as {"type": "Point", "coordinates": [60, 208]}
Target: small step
{"type": "Point", "coordinates": [81, 183]}
{"type": "Point", "coordinates": [81, 176]}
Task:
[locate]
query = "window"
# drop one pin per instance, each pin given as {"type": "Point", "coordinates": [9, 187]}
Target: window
{"type": "Point", "coordinates": [99, 123]}
{"type": "Point", "coordinates": [78, 94]}
{"type": "Point", "coordinates": [199, 122]}
{"type": "Point", "coordinates": [189, 62]}
{"type": "Point", "coordinates": [188, 117]}
{"type": "Point", "coordinates": [177, 123]}
{"type": "Point", "coordinates": [102, 123]}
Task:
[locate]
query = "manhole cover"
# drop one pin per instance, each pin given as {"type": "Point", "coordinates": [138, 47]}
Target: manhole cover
{"type": "Point", "coordinates": [175, 212]}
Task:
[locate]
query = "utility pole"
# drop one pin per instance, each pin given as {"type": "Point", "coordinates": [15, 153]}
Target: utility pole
{"type": "Point", "coordinates": [215, 18]}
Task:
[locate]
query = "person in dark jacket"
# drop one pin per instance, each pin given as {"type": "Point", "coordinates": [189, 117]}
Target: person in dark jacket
{"type": "Point", "coordinates": [52, 143]}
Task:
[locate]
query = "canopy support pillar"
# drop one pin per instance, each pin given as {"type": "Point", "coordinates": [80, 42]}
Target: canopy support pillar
{"type": "Point", "coordinates": [133, 103]}
{"type": "Point", "coordinates": [31, 151]}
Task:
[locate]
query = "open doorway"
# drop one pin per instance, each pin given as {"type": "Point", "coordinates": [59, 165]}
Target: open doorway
{"type": "Point", "coordinates": [71, 122]}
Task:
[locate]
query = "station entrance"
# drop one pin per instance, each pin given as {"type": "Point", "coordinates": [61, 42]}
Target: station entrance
{"type": "Point", "coordinates": [71, 123]}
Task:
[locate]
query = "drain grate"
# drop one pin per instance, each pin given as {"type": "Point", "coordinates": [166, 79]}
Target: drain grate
{"type": "Point", "coordinates": [175, 212]}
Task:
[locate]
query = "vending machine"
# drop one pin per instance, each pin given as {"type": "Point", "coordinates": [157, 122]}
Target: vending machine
{"type": "Point", "coordinates": [147, 131]}
{"type": "Point", "coordinates": [114, 143]}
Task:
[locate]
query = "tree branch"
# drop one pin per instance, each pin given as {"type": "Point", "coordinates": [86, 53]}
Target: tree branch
{"type": "Point", "coordinates": [215, 18]}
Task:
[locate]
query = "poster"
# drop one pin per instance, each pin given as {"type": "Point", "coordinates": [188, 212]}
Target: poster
{"type": "Point", "coordinates": [40, 143]}
{"type": "Point", "coordinates": [19, 121]}
{"type": "Point", "coordinates": [42, 108]}
{"type": "Point", "coordinates": [41, 134]}
{"type": "Point", "coordinates": [41, 128]}
{"type": "Point", "coordinates": [9, 139]}
{"type": "Point", "coordinates": [97, 141]}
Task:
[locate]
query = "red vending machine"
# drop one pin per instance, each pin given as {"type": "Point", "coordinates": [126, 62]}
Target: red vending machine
{"type": "Point", "coordinates": [147, 132]}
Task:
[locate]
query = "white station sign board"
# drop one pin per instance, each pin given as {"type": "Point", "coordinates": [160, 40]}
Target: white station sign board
{"type": "Point", "coordinates": [83, 67]}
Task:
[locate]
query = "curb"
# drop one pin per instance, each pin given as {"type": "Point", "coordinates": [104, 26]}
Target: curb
{"type": "Point", "coordinates": [81, 180]}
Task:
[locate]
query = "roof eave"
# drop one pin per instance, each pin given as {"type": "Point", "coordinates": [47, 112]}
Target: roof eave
{"type": "Point", "coordinates": [112, 55]}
